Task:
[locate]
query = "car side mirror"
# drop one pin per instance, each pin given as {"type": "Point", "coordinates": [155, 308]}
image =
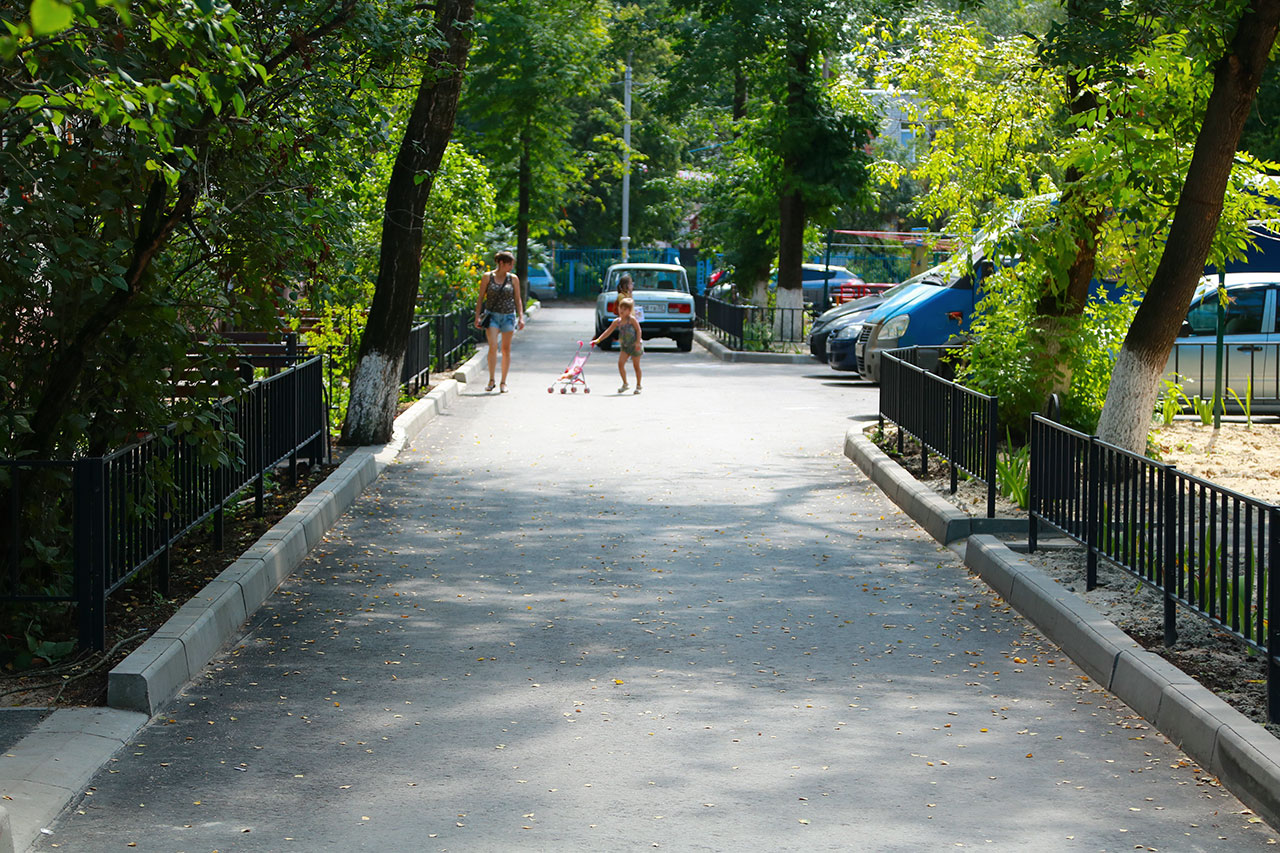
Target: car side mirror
{"type": "Point", "coordinates": [1185, 331]}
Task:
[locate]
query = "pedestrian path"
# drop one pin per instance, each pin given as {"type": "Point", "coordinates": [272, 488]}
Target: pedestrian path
{"type": "Point", "coordinates": [680, 621]}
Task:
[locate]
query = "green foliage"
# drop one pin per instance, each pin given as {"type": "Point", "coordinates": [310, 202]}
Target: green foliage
{"type": "Point", "coordinates": [1169, 403]}
{"type": "Point", "coordinates": [186, 168]}
{"type": "Point", "coordinates": [1101, 123]}
{"type": "Point", "coordinates": [1246, 405]}
{"type": "Point", "coordinates": [531, 62]}
{"type": "Point", "coordinates": [1013, 472]}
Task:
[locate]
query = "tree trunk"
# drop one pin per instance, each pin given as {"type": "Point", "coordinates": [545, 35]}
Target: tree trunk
{"type": "Point", "coordinates": [739, 96]}
{"type": "Point", "coordinates": [1135, 380]}
{"type": "Point", "coordinates": [791, 218]}
{"type": "Point", "coordinates": [524, 192]}
{"type": "Point", "coordinates": [791, 204]}
{"type": "Point", "coordinates": [375, 384]}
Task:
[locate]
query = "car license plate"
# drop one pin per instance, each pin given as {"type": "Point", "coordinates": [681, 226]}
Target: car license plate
{"type": "Point", "coordinates": [654, 307]}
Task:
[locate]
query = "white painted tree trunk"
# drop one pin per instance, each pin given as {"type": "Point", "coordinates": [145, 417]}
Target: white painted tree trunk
{"type": "Point", "coordinates": [375, 390]}
{"type": "Point", "coordinates": [1131, 401]}
{"type": "Point", "coordinates": [760, 293]}
{"type": "Point", "coordinates": [789, 318]}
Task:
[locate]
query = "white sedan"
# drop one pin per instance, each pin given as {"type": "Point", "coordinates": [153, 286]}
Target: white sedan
{"type": "Point", "coordinates": [661, 292]}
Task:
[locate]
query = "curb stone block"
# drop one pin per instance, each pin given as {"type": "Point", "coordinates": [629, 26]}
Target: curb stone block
{"type": "Point", "coordinates": [214, 623]}
{"type": "Point", "coordinates": [255, 585]}
{"type": "Point", "coordinates": [1248, 763]}
{"type": "Point", "coordinates": [1185, 719]}
{"type": "Point", "coordinates": [981, 555]}
{"type": "Point", "coordinates": [287, 553]}
{"type": "Point", "coordinates": [6, 832]}
{"type": "Point", "coordinates": [148, 676]}
{"type": "Point", "coordinates": [1140, 680]}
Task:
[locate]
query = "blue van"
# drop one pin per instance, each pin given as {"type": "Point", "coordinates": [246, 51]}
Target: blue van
{"type": "Point", "coordinates": [935, 310]}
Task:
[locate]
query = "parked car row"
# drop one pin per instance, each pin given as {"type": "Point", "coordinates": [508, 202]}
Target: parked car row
{"type": "Point", "coordinates": [937, 306]}
{"type": "Point", "coordinates": [820, 284]}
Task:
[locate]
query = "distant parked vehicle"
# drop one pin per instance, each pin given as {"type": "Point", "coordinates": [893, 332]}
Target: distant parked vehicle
{"type": "Point", "coordinates": [541, 284]}
{"type": "Point", "coordinates": [661, 291]}
{"type": "Point", "coordinates": [831, 320]}
{"type": "Point", "coordinates": [816, 281]}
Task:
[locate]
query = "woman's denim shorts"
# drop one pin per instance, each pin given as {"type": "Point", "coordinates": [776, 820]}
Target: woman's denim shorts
{"type": "Point", "coordinates": [502, 322]}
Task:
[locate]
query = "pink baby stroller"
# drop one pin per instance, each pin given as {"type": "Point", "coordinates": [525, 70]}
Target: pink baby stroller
{"type": "Point", "coordinates": [573, 375]}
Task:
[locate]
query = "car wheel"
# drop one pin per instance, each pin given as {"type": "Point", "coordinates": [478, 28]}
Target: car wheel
{"type": "Point", "coordinates": [684, 342]}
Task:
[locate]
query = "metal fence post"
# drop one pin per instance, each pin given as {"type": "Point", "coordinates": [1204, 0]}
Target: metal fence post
{"type": "Point", "coordinates": [897, 398]}
{"type": "Point", "coordinates": [1273, 609]}
{"type": "Point", "coordinates": [1033, 491]}
{"type": "Point", "coordinates": [993, 415]}
{"type": "Point", "coordinates": [90, 537]}
{"type": "Point", "coordinates": [1169, 510]}
{"type": "Point", "coordinates": [1091, 509]}
{"type": "Point", "coordinates": [256, 400]}
{"type": "Point", "coordinates": [953, 443]}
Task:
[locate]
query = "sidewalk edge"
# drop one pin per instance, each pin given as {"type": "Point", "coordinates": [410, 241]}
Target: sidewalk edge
{"type": "Point", "coordinates": [1242, 754]}
{"type": "Point", "coordinates": [155, 672]}
{"type": "Point", "coordinates": [723, 353]}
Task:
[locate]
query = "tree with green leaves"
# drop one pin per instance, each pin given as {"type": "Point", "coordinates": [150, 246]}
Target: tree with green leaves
{"type": "Point", "coordinates": [376, 383]}
{"type": "Point", "coordinates": [167, 170]}
{"type": "Point", "coordinates": [1247, 38]}
{"type": "Point", "coordinates": [532, 59]}
{"type": "Point", "coordinates": [1099, 116]}
{"type": "Point", "coordinates": [808, 145]}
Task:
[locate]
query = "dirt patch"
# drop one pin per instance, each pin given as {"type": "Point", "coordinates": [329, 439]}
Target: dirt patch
{"type": "Point", "coordinates": [1240, 456]}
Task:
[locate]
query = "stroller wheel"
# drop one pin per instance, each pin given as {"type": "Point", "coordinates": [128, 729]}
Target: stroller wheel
{"type": "Point", "coordinates": [574, 389]}
{"type": "Point", "coordinates": [586, 390]}
{"type": "Point", "coordinates": [552, 388]}
{"type": "Point", "coordinates": [562, 390]}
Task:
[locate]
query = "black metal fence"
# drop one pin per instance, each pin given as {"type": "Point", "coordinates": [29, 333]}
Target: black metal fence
{"type": "Point", "coordinates": [749, 327]}
{"type": "Point", "coordinates": [1204, 546]}
{"type": "Point", "coordinates": [947, 419]}
{"type": "Point", "coordinates": [437, 343]}
{"type": "Point", "coordinates": [85, 527]}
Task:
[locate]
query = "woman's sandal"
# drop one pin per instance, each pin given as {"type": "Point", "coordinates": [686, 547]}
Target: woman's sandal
{"type": "Point", "coordinates": [503, 388]}
{"type": "Point", "coordinates": [489, 387]}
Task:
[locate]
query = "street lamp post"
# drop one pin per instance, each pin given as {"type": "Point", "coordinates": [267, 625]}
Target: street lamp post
{"type": "Point", "coordinates": [626, 161]}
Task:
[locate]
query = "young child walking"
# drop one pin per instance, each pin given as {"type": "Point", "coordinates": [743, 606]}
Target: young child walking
{"type": "Point", "coordinates": [630, 341]}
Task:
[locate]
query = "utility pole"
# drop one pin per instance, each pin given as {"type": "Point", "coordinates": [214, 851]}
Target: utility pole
{"type": "Point", "coordinates": [626, 161]}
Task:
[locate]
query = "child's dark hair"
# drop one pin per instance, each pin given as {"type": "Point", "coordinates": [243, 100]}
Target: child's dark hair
{"type": "Point", "coordinates": [625, 280]}
{"type": "Point", "coordinates": [504, 255]}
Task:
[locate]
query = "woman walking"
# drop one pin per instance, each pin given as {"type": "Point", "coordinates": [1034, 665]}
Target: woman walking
{"type": "Point", "coordinates": [500, 311]}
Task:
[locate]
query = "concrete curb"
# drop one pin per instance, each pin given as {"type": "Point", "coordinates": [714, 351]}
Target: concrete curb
{"type": "Point", "coordinates": [723, 353]}
{"type": "Point", "coordinates": [155, 672]}
{"type": "Point", "coordinates": [1242, 754]}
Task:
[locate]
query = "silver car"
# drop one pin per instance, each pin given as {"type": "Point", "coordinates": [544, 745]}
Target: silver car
{"type": "Point", "coordinates": [1250, 342]}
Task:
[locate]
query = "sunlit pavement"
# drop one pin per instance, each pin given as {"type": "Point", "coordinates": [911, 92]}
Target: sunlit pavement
{"type": "Point", "coordinates": [678, 620]}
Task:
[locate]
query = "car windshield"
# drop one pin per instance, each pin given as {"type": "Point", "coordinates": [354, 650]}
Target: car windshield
{"type": "Point", "coordinates": [651, 279]}
{"type": "Point", "coordinates": [821, 275]}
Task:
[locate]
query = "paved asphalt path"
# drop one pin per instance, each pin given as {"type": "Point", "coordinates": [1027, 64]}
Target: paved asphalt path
{"type": "Point", "coordinates": [680, 620]}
